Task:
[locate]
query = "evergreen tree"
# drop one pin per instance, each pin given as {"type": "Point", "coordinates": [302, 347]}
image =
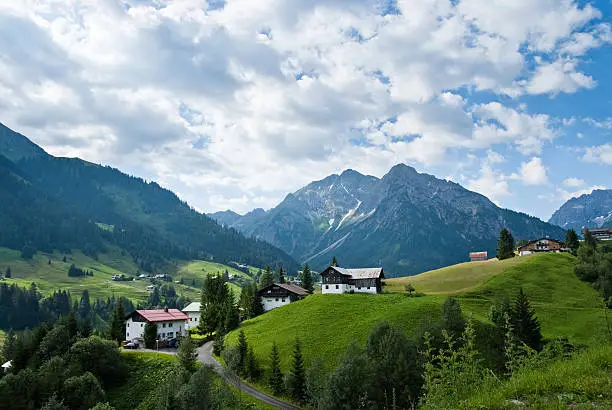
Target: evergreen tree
{"type": "Point", "coordinates": [589, 239]}
{"type": "Point", "coordinates": [267, 278]}
{"type": "Point", "coordinates": [154, 300]}
{"type": "Point", "coordinates": [349, 383]}
{"type": "Point", "coordinates": [571, 241]}
{"type": "Point", "coordinates": [524, 323]}
{"type": "Point", "coordinates": [84, 314]}
{"type": "Point", "coordinates": [218, 305]}
{"type": "Point", "coordinates": [281, 275]}
{"type": "Point", "coordinates": [8, 349]}
{"type": "Point", "coordinates": [505, 245]}
{"type": "Point", "coordinates": [296, 382]}
{"type": "Point", "coordinates": [307, 282]}
{"type": "Point", "coordinates": [117, 324]}
{"type": "Point", "coordinates": [243, 349]}
{"type": "Point", "coordinates": [334, 261]}
{"type": "Point", "coordinates": [252, 369]}
{"type": "Point", "coordinates": [452, 317]}
{"type": "Point", "coordinates": [150, 335]}
{"type": "Point", "coordinates": [275, 380]}
{"type": "Point", "coordinates": [8, 274]}
{"type": "Point", "coordinates": [256, 304]}
{"type": "Point", "coordinates": [232, 314]}
{"type": "Point", "coordinates": [187, 355]}
{"type": "Point", "coordinates": [219, 343]}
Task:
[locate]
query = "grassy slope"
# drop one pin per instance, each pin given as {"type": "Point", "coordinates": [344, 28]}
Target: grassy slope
{"type": "Point", "coordinates": [50, 277]}
{"type": "Point", "coordinates": [579, 382]}
{"type": "Point", "coordinates": [146, 373]}
{"type": "Point", "coordinates": [326, 324]}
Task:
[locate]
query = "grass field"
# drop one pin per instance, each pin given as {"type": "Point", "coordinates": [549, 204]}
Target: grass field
{"type": "Point", "coordinates": [326, 324]}
{"type": "Point", "coordinates": [584, 381]}
{"type": "Point", "coordinates": [146, 373]}
{"type": "Point", "coordinates": [54, 276]}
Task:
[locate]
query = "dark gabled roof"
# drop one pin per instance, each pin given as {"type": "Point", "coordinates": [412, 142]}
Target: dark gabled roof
{"type": "Point", "coordinates": [362, 273]}
{"type": "Point", "coordinates": [538, 240]}
{"type": "Point", "coordinates": [291, 288]}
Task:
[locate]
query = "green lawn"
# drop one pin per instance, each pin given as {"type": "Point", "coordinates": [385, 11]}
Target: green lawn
{"type": "Point", "coordinates": [584, 381]}
{"type": "Point", "coordinates": [326, 324]}
{"type": "Point", "coordinates": [199, 270]}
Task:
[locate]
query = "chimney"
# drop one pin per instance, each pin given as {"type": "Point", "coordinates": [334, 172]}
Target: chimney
{"type": "Point", "coordinates": [166, 309]}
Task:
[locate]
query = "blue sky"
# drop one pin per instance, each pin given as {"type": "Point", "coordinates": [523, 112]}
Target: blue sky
{"type": "Point", "coordinates": [234, 104]}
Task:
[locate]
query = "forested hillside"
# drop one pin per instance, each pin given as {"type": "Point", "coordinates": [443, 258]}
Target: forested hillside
{"type": "Point", "coordinates": [61, 203]}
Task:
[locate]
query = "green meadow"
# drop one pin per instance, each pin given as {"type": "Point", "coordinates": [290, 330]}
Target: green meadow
{"type": "Point", "coordinates": [326, 324]}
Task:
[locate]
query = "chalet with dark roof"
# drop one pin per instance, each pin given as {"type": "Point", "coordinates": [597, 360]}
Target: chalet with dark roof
{"type": "Point", "coordinates": [335, 279]}
{"type": "Point", "coordinates": [170, 323]}
{"type": "Point", "coordinates": [280, 294]}
{"type": "Point", "coordinates": [541, 245]}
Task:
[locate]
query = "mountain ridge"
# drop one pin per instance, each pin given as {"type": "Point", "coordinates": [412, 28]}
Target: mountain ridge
{"type": "Point", "coordinates": [407, 221]}
{"type": "Point", "coordinates": [592, 210]}
{"type": "Point", "coordinates": [150, 223]}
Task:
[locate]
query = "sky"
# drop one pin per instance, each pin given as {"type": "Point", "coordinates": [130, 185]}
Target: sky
{"type": "Point", "coordinates": [233, 104]}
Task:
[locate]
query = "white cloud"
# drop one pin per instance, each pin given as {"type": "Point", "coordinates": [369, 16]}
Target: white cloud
{"type": "Point", "coordinates": [490, 183]}
{"type": "Point", "coordinates": [573, 182]}
{"type": "Point", "coordinates": [599, 154]}
{"type": "Point", "coordinates": [238, 105]}
{"type": "Point", "coordinates": [565, 195]}
{"type": "Point", "coordinates": [533, 172]}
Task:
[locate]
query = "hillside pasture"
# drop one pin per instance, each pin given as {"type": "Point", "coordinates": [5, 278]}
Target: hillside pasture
{"type": "Point", "coordinates": [326, 324]}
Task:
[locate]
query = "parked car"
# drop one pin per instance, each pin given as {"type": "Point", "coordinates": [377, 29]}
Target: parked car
{"type": "Point", "coordinates": [173, 343]}
{"type": "Point", "coordinates": [131, 345]}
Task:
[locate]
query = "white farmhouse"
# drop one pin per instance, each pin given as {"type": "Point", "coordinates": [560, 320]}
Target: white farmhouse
{"type": "Point", "coordinates": [340, 280]}
{"type": "Point", "coordinates": [170, 324]}
{"type": "Point", "coordinates": [193, 312]}
{"type": "Point", "coordinates": [280, 294]}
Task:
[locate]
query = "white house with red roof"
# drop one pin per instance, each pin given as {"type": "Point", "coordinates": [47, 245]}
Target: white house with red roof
{"type": "Point", "coordinates": [170, 323]}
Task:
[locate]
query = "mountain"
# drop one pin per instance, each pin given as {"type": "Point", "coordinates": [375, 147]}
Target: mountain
{"type": "Point", "coordinates": [66, 203]}
{"type": "Point", "coordinates": [592, 210]}
{"type": "Point", "coordinates": [407, 222]}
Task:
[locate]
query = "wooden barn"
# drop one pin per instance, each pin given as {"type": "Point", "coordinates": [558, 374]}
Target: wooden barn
{"type": "Point", "coordinates": [541, 245]}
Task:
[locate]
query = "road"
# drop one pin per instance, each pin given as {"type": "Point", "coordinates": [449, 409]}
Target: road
{"type": "Point", "coordinates": [206, 357]}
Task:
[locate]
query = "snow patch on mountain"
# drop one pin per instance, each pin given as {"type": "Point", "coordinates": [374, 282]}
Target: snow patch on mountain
{"type": "Point", "coordinates": [349, 214]}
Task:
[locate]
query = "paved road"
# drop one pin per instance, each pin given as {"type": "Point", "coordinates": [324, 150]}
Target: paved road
{"type": "Point", "coordinates": [205, 356]}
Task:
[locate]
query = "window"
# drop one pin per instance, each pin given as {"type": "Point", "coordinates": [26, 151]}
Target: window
{"type": "Point", "coordinates": [191, 319]}
{"type": "Point", "coordinates": [276, 299]}
{"type": "Point", "coordinates": [128, 325]}
{"type": "Point", "coordinates": [142, 325]}
{"type": "Point", "coordinates": [283, 300]}
{"type": "Point", "coordinates": [169, 324]}
{"type": "Point", "coordinates": [170, 335]}
{"type": "Point", "coordinates": [337, 287]}
{"type": "Point", "coordinates": [164, 325]}
{"type": "Point", "coordinates": [326, 286]}
{"type": "Point", "coordinates": [128, 334]}
{"type": "Point", "coordinates": [359, 287]}
{"type": "Point", "coordinates": [163, 335]}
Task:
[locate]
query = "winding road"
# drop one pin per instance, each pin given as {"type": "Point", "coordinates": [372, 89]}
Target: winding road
{"type": "Point", "coordinates": [206, 357]}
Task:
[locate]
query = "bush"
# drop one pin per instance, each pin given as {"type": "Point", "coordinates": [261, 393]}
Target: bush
{"type": "Point", "coordinates": [98, 356]}
{"type": "Point", "coordinates": [82, 392]}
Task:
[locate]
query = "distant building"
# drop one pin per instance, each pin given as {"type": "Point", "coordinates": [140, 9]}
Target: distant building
{"type": "Point", "coordinates": [603, 234]}
{"type": "Point", "coordinates": [6, 367]}
{"type": "Point", "coordinates": [280, 294]}
{"type": "Point", "coordinates": [170, 323]}
{"type": "Point", "coordinates": [340, 280]}
{"type": "Point", "coordinates": [478, 256]}
{"type": "Point", "coordinates": [193, 311]}
{"type": "Point", "coordinates": [541, 245]}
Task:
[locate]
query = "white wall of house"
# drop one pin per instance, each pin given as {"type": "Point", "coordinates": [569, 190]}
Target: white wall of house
{"type": "Point", "coordinates": [343, 288]}
{"type": "Point", "coordinates": [270, 303]}
{"type": "Point", "coordinates": [165, 330]}
{"type": "Point", "coordinates": [194, 319]}
{"type": "Point", "coordinates": [365, 289]}
{"type": "Point", "coordinates": [134, 330]}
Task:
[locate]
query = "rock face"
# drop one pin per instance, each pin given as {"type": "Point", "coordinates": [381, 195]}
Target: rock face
{"type": "Point", "coordinates": [593, 210]}
{"type": "Point", "coordinates": [406, 221]}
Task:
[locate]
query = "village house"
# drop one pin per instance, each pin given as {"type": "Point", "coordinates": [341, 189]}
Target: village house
{"type": "Point", "coordinates": [170, 323]}
{"type": "Point", "coordinates": [603, 234]}
{"type": "Point", "coordinates": [280, 294]}
{"type": "Point", "coordinates": [541, 245]}
{"type": "Point", "coordinates": [478, 256]}
{"type": "Point", "coordinates": [192, 310]}
{"type": "Point", "coordinates": [340, 280]}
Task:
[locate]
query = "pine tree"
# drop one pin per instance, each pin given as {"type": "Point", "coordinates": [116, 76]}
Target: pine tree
{"type": "Point", "coordinates": [252, 369]}
{"type": "Point", "coordinates": [256, 304]}
{"type": "Point", "coordinates": [307, 279]}
{"type": "Point", "coordinates": [8, 349]}
{"type": "Point", "coordinates": [297, 375]}
{"type": "Point", "coordinates": [117, 324]}
{"type": "Point", "coordinates": [452, 317]}
{"type": "Point", "coordinates": [231, 314]}
{"type": "Point", "coordinates": [589, 239]}
{"type": "Point", "coordinates": [150, 335]}
{"type": "Point", "coordinates": [219, 343]}
{"type": "Point", "coordinates": [187, 354]}
{"type": "Point", "coordinates": [524, 323]}
{"type": "Point", "coordinates": [281, 275]}
{"type": "Point", "coordinates": [8, 274]}
{"type": "Point", "coordinates": [84, 314]}
{"type": "Point", "coordinates": [267, 278]}
{"type": "Point", "coordinates": [334, 261]}
{"type": "Point", "coordinates": [571, 241]}
{"type": "Point", "coordinates": [243, 348]}
{"type": "Point", "coordinates": [505, 245]}
{"type": "Point", "coordinates": [276, 376]}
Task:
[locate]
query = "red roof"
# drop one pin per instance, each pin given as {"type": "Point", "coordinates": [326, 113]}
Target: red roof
{"type": "Point", "coordinates": [163, 315]}
{"type": "Point", "coordinates": [478, 254]}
